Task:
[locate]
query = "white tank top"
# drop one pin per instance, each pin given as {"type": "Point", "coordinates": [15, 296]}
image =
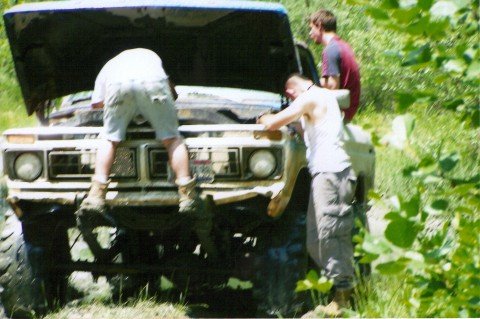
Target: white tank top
{"type": "Point", "coordinates": [325, 151]}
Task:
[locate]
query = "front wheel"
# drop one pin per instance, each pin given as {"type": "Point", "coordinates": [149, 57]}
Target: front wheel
{"type": "Point", "coordinates": [29, 287]}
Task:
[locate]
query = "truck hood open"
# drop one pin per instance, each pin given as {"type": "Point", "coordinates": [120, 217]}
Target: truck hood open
{"type": "Point", "coordinates": [59, 47]}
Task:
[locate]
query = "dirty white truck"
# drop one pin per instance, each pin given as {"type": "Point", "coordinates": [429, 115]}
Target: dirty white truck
{"type": "Point", "coordinates": [229, 61]}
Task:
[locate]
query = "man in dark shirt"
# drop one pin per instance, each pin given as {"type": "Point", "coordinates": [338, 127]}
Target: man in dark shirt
{"type": "Point", "coordinates": [339, 67]}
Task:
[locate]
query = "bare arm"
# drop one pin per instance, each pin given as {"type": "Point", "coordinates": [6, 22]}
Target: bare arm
{"type": "Point", "coordinates": [330, 82]}
{"type": "Point", "coordinates": [274, 121]}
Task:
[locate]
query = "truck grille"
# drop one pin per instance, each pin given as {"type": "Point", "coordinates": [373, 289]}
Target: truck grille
{"type": "Point", "coordinates": [206, 163]}
{"type": "Point", "coordinates": [81, 164]}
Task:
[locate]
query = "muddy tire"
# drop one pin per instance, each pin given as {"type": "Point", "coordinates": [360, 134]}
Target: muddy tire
{"type": "Point", "coordinates": [28, 289]}
{"type": "Point", "coordinates": [280, 261]}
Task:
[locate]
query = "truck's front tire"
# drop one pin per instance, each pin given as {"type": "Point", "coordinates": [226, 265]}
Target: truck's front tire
{"type": "Point", "coordinates": [29, 288]}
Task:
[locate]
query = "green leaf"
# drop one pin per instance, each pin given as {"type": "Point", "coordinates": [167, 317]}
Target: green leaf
{"type": "Point", "coordinates": [303, 285]}
{"type": "Point", "coordinates": [440, 204]}
{"type": "Point", "coordinates": [374, 195]}
{"type": "Point", "coordinates": [166, 284]}
{"type": "Point", "coordinates": [418, 27]}
{"type": "Point", "coordinates": [389, 4]}
{"type": "Point", "coordinates": [425, 4]}
{"type": "Point", "coordinates": [390, 268]}
{"type": "Point", "coordinates": [401, 232]}
{"type": "Point", "coordinates": [409, 122]}
{"type": "Point", "coordinates": [437, 207]}
{"type": "Point", "coordinates": [404, 100]}
{"type": "Point", "coordinates": [368, 258]}
{"type": "Point", "coordinates": [447, 163]}
{"type": "Point", "coordinates": [324, 284]}
{"type": "Point", "coordinates": [442, 77]}
{"type": "Point", "coordinates": [312, 276]}
{"type": "Point", "coordinates": [417, 56]}
{"type": "Point", "coordinates": [374, 245]}
{"type": "Point", "coordinates": [436, 29]}
{"type": "Point", "coordinates": [356, 2]}
{"type": "Point", "coordinates": [412, 206]}
{"type": "Point", "coordinates": [453, 104]}
{"type": "Point", "coordinates": [426, 161]}
{"type": "Point", "coordinates": [473, 71]}
{"type": "Point", "coordinates": [392, 216]}
{"type": "Point", "coordinates": [377, 14]}
{"type": "Point", "coordinates": [406, 16]}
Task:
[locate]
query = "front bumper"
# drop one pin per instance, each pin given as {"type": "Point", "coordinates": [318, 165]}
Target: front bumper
{"type": "Point", "coordinates": [276, 192]}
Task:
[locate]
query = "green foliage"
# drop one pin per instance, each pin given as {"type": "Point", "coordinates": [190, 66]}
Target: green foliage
{"type": "Point", "coordinates": [441, 40]}
{"type": "Point", "coordinates": [315, 284]}
{"type": "Point", "coordinates": [11, 104]}
{"type": "Point", "coordinates": [432, 237]}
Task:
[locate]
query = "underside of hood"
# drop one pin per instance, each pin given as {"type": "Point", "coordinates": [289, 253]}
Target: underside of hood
{"type": "Point", "coordinates": [59, 47]}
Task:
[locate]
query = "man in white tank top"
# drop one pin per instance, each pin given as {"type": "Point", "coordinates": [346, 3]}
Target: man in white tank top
{"type": "Point", "coordinates": [329, 216]}
{"type": "Point", "coordinates": [131, 83]}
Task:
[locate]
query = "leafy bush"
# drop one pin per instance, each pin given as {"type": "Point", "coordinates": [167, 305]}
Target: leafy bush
{"type": "Point", "coordinates": [431, 236]}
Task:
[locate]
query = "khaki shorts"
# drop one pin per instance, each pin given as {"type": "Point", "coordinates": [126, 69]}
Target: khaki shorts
{"type": "Point", "coordinates": [152, 99]}
{"type": "Point", "coordinates": [330, 223]}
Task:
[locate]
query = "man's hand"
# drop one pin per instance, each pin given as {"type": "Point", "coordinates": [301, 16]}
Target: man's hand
{"type": "Point", "coordinates": [97, 105]}
{"type": "Point", "coordinates": [264, 118]}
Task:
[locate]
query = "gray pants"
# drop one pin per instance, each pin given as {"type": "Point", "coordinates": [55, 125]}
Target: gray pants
{"type": "Point", "coordinates": [330, 224]}
{"type": "Point", "coordinates": [152, 99]}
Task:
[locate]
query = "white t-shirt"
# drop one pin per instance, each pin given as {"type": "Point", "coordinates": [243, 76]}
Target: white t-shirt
{"type": "Point", "coordinates": [134, 64]}
{"type": "Point", "coordinates": [325, 151]}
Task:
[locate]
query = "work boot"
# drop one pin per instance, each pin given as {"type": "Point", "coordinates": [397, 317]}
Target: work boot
{"type": "Point", "coordinates": [95, 200]}
{"type": "Point", "coordinates": [189, 201]}
{"type": "Point", "coordinates": [341, 300]}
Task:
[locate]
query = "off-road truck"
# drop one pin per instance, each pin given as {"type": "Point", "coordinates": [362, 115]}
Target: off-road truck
{"type": "Point", "coordinates": [229, 61]}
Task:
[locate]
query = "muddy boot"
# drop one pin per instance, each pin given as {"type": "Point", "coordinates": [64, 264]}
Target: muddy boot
{"type": "Point", "coordinates": [341, 300]}
{"type": "Point", "coordinates": [95, 200]}
{"type": "Point", "coordinates": [93, 209]}
{"type": "Point", "coordinates": [189, 201]}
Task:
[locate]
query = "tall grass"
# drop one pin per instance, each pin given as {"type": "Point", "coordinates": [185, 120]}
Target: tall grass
{"type": "Point", "coordinates": [145, 309]}
{"type": "Point", "coordinates": [12, 109]}
{"type": "Point", "coordinates": [433, 131]}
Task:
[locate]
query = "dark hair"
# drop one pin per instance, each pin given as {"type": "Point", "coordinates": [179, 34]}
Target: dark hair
{"type": "Point", "coordinates": [325, 19]}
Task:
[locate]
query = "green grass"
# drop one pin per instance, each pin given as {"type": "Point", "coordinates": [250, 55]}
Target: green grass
{"type": "Point", "coordinates": [12, 110]}
{"type": "Point", "coordinates": [380, 297]}
{"type": "Point", "coordinates": [433, 131]}
{"type": "Point", "coordinates": [145, 309]}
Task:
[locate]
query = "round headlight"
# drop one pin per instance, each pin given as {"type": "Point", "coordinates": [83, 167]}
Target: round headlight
{"type": "Point", "coordinates": [28, 166]}
{"type": "Point", "coordinates": [262, 163]}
